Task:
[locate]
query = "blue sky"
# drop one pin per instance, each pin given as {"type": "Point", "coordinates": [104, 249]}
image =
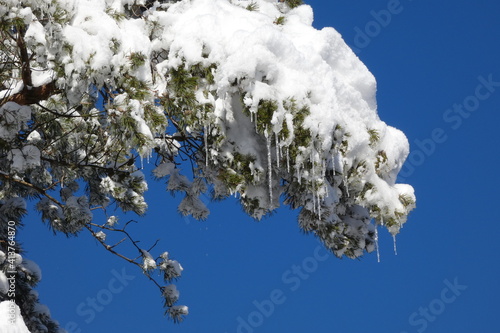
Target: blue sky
{"type": "Point", "coordinates": [438, 73]}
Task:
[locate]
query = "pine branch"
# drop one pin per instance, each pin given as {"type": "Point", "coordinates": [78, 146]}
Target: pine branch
{"type": "Point", "coordinates": [110, 248]}
{"type": "Point", "coordinates": [29, 94]}
{"type": "Point", "coordinates": [25, 61]}
{"type": "Point", "coordinates": [20, 181]}
{"type": "Point", "coordinates": [107, 170]}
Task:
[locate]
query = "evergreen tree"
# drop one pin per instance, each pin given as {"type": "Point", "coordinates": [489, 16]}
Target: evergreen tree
{"type": "Point", "coordinates": [89, 89]}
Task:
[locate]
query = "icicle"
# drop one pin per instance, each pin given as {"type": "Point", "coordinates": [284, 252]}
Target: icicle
{"type": "Point", "coordinates": [333, 165]}
{"type": "Point", "coordinates": [376, 242]}
{"type": "Point", "coordinates": [277, 151]}
{"type": "Point", "coordinates": [395, 246]}
{"type": "Point", "coordinates": [269, 167]}
{"type": "Point", "coordinates": [319, 206]}
{"type": "Point", "coordinates": [314, 200]}
{"type": "Point", "coordinates": [205, 137]}
{"type": "Point", "coordinates": [281, 150]}
{"type": "Point", "coordinates": [346, 188]}
{"type": "Point", "coordinates": [313, 176]}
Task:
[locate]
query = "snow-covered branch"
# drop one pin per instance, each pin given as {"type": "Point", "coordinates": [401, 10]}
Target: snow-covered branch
{"type": "Point", "coordinates": [246, 96]}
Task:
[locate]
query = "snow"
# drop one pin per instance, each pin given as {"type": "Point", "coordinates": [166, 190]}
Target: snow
{"type": "Point", "coordinates": [13, 118]}
{"type": "Point", "coordinates": [281, 94]}
{"type": "Point", "coordinates": [295, 59]}
{"type": "Point", "coordinates": [42, 309]}
{"type": "Point", "coordinates": [4, 283]}
{"type": "Point", "coordinates": [182, 309]}
{"type": "Point", "coordinates": [192, 205]}
{"type": "Point", "coordinates": [164, 169]}
{"type": "Point", "coordinates": [112, 220]}
{"type": "Point", "coordinates": [32, 268]}
{"type": "Point", "coordinates": [18, 259]}
{"type": "Point", "coordinates": [148, 262]}
{"type": "Point", "coordinates": [172, 268]}
{"type": "Point", "coordinates": [10, 318]}
{"type": "Point", "coordinates": [177, 267]}
{"type": "Point", "coordinates": [79, 208]}
{"type": "Point", "coordinates": [171, 293]}
{"type": "Point", "coordinates": [34, 137]}
{"type": "Point", "coordinates": [101, 235]}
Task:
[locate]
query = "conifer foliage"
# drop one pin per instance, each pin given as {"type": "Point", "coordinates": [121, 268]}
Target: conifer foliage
{"type": "Point", "coordinates": [265, 107]}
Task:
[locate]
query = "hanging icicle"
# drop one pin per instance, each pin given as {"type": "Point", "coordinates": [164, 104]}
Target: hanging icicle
{"type": "Point", "coordinates": [269, 166]}
{"type": "Point", "coordinates": [255, 120]}
{"type": "Point", "coordinates": [318, 199]}
{"type": "Point", "coordinates": [205, 138]}
{"type": "Point", "coordinates": [277, 151]}
{"type": "Point", "coordinates": [297, 173]}
{"type": "Point", "coordinates": [334, 166]}
{"type": "Point", "coordinates": [395, 246]}
{"type": "Point", "coordinates": [281, 150]}
{"type": "Point", "coordinates": [314, 201]}
{"type": "Point", "coordinates": [313, 176]}
{"type": "Point", "coordinates": [376, 242]}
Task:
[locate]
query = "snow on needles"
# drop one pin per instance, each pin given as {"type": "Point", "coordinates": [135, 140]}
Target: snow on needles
{"type": "Point", "coordinates": [272, 55]}
{"type": "Point", "coordinates": [277, 108]}
{"type": "Point", "coordinates": [294, 60]}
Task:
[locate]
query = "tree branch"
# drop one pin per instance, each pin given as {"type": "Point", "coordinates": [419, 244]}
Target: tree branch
{"type": "Point", "coordinates": [29, 94]}
{"type": "Point", "coordinates": [25, 61]}
{"type": "Point", "coordinates": [33, 95]}
{"type": "Point", "coordinates": [110, 248]}
{"type": "Point", "coordinates": [26, 184]}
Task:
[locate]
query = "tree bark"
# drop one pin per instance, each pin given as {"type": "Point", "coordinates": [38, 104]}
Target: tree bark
{"type": "Point", "coordinates": [29, 94]}
{"type": "Point", "coordinates": [32, 95]}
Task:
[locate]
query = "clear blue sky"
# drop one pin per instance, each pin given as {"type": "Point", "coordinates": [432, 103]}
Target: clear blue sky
{"type": "Point", "coordinates": [438, 73]}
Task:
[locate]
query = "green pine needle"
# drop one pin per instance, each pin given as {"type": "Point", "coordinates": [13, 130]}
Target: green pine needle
{"type": "Point", "coordinates": [253, 7]}
{"type": "Point", "coordinates": [280, 20]}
